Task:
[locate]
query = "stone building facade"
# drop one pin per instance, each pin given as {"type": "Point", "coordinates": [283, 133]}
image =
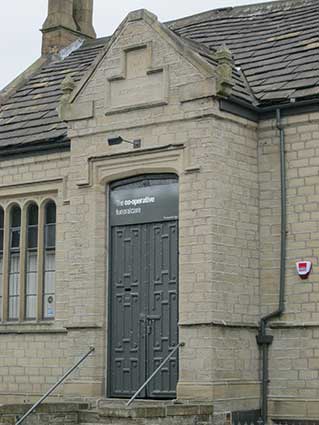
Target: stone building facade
{"type": "Point", "coordinates": [220, 123]}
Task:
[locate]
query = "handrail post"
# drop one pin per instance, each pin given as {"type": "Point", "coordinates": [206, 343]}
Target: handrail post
{"type": "Point", "coordinates": [50, 391]}
{"type": "Point", "coordinates": [181, 344]}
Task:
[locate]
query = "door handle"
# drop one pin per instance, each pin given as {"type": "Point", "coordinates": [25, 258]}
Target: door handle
{"type": "Point", "coordinates": [149, 326]}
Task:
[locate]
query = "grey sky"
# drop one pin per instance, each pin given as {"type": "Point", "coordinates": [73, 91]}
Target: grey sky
{"type": "Point", "coordinates": [20, 38]}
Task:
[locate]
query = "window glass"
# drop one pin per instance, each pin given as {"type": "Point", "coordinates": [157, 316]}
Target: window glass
{"type": "Point", "coordinates": [31, 263]}
{"type": "Point", "coordinates": [14, 266]}
{"type": "Point", "coordinates": [32, 227]}
{"type": "Point", "coordinates": [49, 261]}
{"type": "Point", "coordinates": [15, 216]}
{"type": "Point", "coordinates": [50, 213]}
{"type": "Point", "coordinates": [1, 229]}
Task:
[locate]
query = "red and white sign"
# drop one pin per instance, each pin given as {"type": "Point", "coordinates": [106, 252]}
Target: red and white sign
{"type": "Point", "coordinates": [304, 268]}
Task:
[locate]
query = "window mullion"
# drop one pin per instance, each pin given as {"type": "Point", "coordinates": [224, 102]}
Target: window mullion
{"type": "Point", "coordinates": [40, 262]}
{"type": "Point", "coordinates": [23, 239]}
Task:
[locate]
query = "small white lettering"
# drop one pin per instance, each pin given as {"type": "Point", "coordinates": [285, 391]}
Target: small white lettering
{"type": "Point", "coordinates": [135, 202]}
{"type": "Point", "coordinates": [128, 211]}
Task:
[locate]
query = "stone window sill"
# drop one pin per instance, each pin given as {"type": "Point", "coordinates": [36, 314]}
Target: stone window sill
{"type": "Point", "coordinates": [30, 328]}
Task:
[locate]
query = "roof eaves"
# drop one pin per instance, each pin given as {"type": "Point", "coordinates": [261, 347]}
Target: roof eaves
{"type": "Point", "coordinates": [38, 148]}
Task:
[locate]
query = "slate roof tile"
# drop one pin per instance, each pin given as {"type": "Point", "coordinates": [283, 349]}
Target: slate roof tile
{"type": "Point", "coordinates": [270, 42]}
{"type": "Point", "coordinates": [30, 115]}
{"type": "Point", "coordinates": [301, 93]}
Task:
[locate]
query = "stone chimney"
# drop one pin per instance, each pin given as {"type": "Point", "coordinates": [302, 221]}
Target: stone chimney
{"type": "Point", "coordinates": [67, 20]}
{"type": "Point", "coordinates": [83, 16]}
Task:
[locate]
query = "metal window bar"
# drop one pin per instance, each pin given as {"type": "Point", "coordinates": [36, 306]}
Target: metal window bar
{"type": "Point", "coordinates": [181, 344]}
{"type": "Point", "coordinates": [50, 391]}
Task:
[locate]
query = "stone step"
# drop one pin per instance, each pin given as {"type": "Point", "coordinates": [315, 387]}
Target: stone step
{"type": "Point", "coordinates": [170, 414]}
{"type": "Point", "coordinates": [99, 423]}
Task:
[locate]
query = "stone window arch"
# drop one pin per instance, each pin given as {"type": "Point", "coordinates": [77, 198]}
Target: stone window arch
{"type": "Point", "coordinates": [27, 260]}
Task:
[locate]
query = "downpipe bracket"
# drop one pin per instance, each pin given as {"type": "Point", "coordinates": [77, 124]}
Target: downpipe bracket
{"type": "Point", "coordinates": [264, 339]}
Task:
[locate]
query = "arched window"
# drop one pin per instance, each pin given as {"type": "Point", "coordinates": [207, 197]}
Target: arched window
{"type": "Point", "coordinates": [31, 281]}
{"type": "Point", "coordinates": [49, 261]}
{"type": "Point", "coordinates": [1, 257]}
{"type": "Point", "coordinates": [14, 265]}
{"type": "Point", "coordinates": [27, 262]}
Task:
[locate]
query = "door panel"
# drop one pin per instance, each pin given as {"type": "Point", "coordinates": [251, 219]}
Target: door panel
{"type": "Point", "coordinates": [127, 329]}
{"type": "Point", "coordinates": [144, 308]}
{"type": "Point", "coordinates": [163, 307]}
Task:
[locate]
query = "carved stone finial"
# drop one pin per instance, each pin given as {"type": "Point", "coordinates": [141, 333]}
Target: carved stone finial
{"type": "Point", "coordinates": [223, 55]}
{"type": "Point", "coordinates": [67, 86]}
{"type": "Point", "coordinates": [224, 71]}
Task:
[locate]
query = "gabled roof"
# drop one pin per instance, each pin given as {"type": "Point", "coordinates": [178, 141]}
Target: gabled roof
{"type": "Point", "coordinates": [29, 116]}
{"type": "Point", "coordinates": [276, 59]}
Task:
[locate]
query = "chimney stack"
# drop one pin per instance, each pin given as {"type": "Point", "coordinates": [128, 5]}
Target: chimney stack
{"type": "Point", "coordinates": [67, 21]}
{"type": "Point", "coordinates": [83, 16]}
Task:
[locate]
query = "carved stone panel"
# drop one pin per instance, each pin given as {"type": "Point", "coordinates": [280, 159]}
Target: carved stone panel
{"type": "Point", "coordinates": [137, 84]}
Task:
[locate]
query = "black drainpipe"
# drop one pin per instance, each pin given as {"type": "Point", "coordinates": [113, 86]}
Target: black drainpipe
{"type": "Point", "coordinates": [264, 340]}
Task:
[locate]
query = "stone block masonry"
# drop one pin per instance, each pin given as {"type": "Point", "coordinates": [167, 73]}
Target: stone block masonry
{"type": "Point", "coordinates": [47, 414]}
{"type": "Point", "coordinates": [294, 353]}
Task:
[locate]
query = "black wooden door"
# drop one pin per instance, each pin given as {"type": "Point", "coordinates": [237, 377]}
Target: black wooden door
{"type": "Point", "coordinates": [144, 308]}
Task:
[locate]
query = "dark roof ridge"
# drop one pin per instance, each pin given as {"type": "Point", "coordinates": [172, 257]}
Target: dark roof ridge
{"type": "Point", "coordinates": [255, 7]}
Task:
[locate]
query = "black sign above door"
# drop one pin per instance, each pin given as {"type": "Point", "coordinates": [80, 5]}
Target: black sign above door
{"type": "Point", "coordinates": [152, 203]}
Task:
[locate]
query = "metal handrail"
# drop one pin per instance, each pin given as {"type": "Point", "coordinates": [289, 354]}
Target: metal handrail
{"type": "Point", "coordinates": [60, 381]}
{"type": "Point", "coordinates": [181, 344]}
